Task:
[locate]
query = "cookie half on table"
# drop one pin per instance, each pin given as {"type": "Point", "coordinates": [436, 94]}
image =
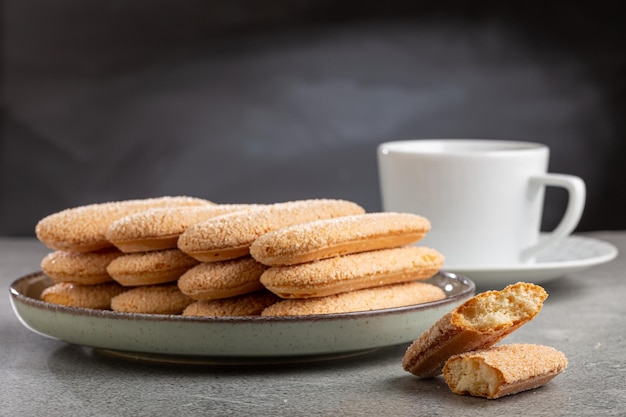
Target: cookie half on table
{"type": "Point", "coordinates": [503, 370]}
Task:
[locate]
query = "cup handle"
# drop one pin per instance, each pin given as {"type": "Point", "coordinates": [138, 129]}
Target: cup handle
{"type": "Point", "coordinates": [577, 193]}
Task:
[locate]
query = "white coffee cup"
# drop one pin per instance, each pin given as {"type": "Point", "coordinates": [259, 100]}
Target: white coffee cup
{"type": "Point", "coordinates": [484, 198]}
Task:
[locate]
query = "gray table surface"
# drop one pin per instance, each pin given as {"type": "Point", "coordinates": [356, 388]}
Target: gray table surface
{"type": "Point", "coordinates": [584, 316]}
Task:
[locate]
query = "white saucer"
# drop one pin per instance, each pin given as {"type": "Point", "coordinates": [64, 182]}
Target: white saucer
{"type": "Point", "coordinates": [574, 254]}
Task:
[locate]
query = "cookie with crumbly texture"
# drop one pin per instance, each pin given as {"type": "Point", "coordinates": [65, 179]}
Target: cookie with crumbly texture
{"type": "Point", "coordinates": [353, 272]}
{"type": "Point", "coordinates": [151, 299]}
{"type": "Point", "coordinates": [97, 296]}
{"type": "Point", "coordinates": [83, 228]}
{"type": "Point", "coordinates": [480, 322]}
{"type": "Point", "coordinates": [387, 296]}
{"type": "Point", "coordinates": [215, 280]}
{"type": "Point", "coordinates": [149, 268]}
{"type": "Point", "coordinates": [503, 370]}
{"type": "Point", "coordinates": [79, 267]}
{"type": "Point", "coordinates": [229, 236]}
{"type": "Point", "coordinates": [239, 306]}
{"type": "Point", "coordinates": [338, 236]}
{"type": "Point", "coordinates": [159, 228]}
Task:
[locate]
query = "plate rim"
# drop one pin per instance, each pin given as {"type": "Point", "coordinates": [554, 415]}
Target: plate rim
{"type": "Point", "coordinates": [294, 336]}
{"type": "Point", "coordinates": [16, 294]}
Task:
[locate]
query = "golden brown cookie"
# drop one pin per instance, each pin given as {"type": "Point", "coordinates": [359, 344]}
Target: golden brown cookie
{"type": "Point", "coordinates": [229, 236]}
{"type": "Point", "coordinates": [353, 272]}
{"type": "Point", "coordinates": [159, 228]}
{"type": "Point", "coordinates": [83, 229]}
{"type": "Point", "coordinates": [503, 370]}
{"type": "Point", "coordinates": [388, 296]}
{"type": "Point", "coordinates": [148, 268]}
{"type": "Point", "coordinates": [338, 236]}
{"type": "Point", "coordinates": [214, 280]}
{"type": "Point", "coordinates": [79, 267]}
{"type": "Point", "coordinates": [151, 299]}
{"type": "Point", "coordinates": [241, 305]}
{"type": "Point", "coordinates": [480, 322]}
{"type": "Point", "coordinates": [96, 296]}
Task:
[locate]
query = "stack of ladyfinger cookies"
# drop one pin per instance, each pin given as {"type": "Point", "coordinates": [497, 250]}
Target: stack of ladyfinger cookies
{"type": "Point", "coordinates": [82, 253]}
{"type": "Point", "coordinates": [183, 255]}
{"type": "Point", "coordinates": [309, 257]}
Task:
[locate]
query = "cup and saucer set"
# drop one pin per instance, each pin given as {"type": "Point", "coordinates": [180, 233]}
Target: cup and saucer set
{"type": "Point", "coordinates": [484, 199]}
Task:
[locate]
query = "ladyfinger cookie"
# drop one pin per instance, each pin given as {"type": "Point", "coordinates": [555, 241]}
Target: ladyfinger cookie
{"type": "Point", "coordinates": [229, 236]}
{"type": "Point", "coordinates": [148, 268]}
{"type": "Point", "coordinates": [387, 296]}
{"type": "Point", "coordinates": [215, 280]}
{"type": "Point", "coordinates": [83, 229]}
{"type": "Point", "coordinates": [159, 228]}
{"type": "Point", "coordinates": [97, 296]}
{"type": "Point", "coordinates": [338, 236]}
{"type": "Point", "coordinates": [478, 323]}
{"type": "Point", "coordinates": [503, 370]}
{"type": "Point", "coordinates": [151, 299]}
{"type": "Point", "coordinates": [241, 305]}
{"type": "Point", "coordinates": [79, 267]}
{"type": "Point", "coordinates": [353, 272]}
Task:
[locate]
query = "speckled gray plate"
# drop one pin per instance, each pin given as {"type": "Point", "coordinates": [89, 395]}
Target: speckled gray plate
{"type": "Point", "coordinates": [235, 337]}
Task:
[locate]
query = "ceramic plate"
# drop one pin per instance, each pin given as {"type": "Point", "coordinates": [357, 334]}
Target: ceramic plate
{"type": "Point", "coordinates": [244, 337]}
{"type": "Point", "coordinates": [575, 254]}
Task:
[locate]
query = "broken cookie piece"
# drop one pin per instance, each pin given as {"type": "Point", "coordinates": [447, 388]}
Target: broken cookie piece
{"type": "Point", "coordinates": [503, 370]}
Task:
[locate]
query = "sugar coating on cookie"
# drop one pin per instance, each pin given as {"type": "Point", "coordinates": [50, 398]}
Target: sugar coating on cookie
{"type": "Point", "coordinates": [242, 305]}
{"type": "Point", "coordinates": [388, 296]}
{"type": "Point", "coordinates": [83, 228]}
{"type": "Point", "coordinates": [146, 268]}
{"type": "Point", "coordinates": [159, 228]}
{"type": "Point", "coordinates": [215, 280]}
{"type": "Point", "coordinates": [503, 370]}
{"type": "Point", "coordinates": [353, 272]}
{"type": "Point", "coordinates": [338, 236]}
{"type": "Point", "coordinates": [79, 267]}
{"type": "Point", "coordinates": [151, 299]}
{"type": "Point", "coordinates": [230, 236]}
{"type": "Point", "coordinates": [96, 296]}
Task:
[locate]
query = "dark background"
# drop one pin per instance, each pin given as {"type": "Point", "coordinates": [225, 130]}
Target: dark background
{"type": "Point", "coordinates": [248, 101]}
